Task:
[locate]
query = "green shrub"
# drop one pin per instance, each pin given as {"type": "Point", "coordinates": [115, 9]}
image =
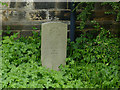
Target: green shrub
{"type": "Point", "coordinates": [91, 63]}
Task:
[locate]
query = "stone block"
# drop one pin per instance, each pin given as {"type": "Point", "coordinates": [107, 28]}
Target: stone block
{"type": "Point", "coordinates": [60, 15]}
{"type": "Point", "coordinates": [12, 27]}
{"type": "Point", "coordinates": [20, 4]}
{"type": "Point", "coordinates": [53, 44]}
{"type": "Point", "coordinates": [44, 5]}
{"type": "Point", "coordinates": [62, 5]}
{"type": "Point", "coordinates": [38, 15]}
{"type": "Point", "coordinates": [13, 15]}
{"type": "Point", "coordinates": [12, 4]}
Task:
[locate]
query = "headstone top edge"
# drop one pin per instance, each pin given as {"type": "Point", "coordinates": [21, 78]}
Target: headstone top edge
{"type": "Point", "coordinates": [52, 22]}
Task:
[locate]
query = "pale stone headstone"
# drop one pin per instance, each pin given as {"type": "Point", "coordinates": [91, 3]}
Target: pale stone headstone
{"type": "Point", "coordinates": [53, 44]}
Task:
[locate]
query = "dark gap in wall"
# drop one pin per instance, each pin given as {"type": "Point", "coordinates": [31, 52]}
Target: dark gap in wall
{"type": "Point", "coordinates": [12, 4]}
{"type": "Point", "coordinates": [39, 15]}
{"type": "Point", "coordinates": [44, 5]}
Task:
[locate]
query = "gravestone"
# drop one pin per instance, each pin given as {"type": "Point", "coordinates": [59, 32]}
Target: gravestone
{"type": "Point", "coordinates": [53, 44]}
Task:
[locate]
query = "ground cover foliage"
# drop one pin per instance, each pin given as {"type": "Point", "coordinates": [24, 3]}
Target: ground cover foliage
{"type": "Point", "coordinates": [92, 62]}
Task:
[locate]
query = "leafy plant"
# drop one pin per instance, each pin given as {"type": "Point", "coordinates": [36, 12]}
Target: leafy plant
{"type": "Point", "coordinates": [91, 62]}
{"type": "Point", "coordinates": [34, 28]}
{"type": "Point", "coordinates": [115, 9]}
{"type": "Point", "coordinates": [85, 13]}
{"type": "Point", "coordinates": [86, 9]}
{"type": "Point", "coordinates": [3, 4]}
{"type": "Point", "coordinates": [8, 30]}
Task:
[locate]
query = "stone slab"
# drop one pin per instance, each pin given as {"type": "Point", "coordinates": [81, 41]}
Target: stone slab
{"type": "Point", "coordinates": [53, 44]}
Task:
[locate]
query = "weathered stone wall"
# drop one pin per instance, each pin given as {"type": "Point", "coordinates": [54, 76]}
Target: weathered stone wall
{"type": "Point", "coordinates": [22, 16]}
{"type": "Point", "coordinates": [105, 20]}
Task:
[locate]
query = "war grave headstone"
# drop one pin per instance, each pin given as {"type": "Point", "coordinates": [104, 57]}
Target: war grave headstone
{"type": "Point", "coordinates": [53, 44]}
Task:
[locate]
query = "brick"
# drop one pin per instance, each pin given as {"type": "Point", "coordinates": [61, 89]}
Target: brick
{"type": "Point", "coordinates": [12, 4]}
{"type": "Point", "coordinates": [116, 26]}
{"type": "Point", "coordinates": [62, 5]}
{"type": "Point", "coordinates": [101, 14]}
{"type": "Point", "coordinates": [108, 7]}
{"type": "Point", "coordinates": [30, 27]}
{"type": "Point", "coordinates": [98, 6]}
{"type": "Point", "coordinates": [20, 4]}
{"type": "Point", "coordinates": [12, 27]}
{"type": "Point", "coordinates": [18, 15]}
{"type": "Point", "coordinates": [60, 15]}
{"type": "Point", "coordinates": [6, 15]}
{"type": "Point", "coordinates": [13, 15]}
{"type": "Point", "coordinates": [44, 5]}
{"type": "Point", "coordinates": [39, 15]}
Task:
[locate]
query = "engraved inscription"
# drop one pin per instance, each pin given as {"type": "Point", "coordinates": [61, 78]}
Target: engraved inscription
{"type": "Point", "coordinates": [54, 51]}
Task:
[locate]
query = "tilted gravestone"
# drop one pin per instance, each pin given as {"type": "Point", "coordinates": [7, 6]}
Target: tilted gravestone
{"type": "Point", "coordinates": [53, 44]}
